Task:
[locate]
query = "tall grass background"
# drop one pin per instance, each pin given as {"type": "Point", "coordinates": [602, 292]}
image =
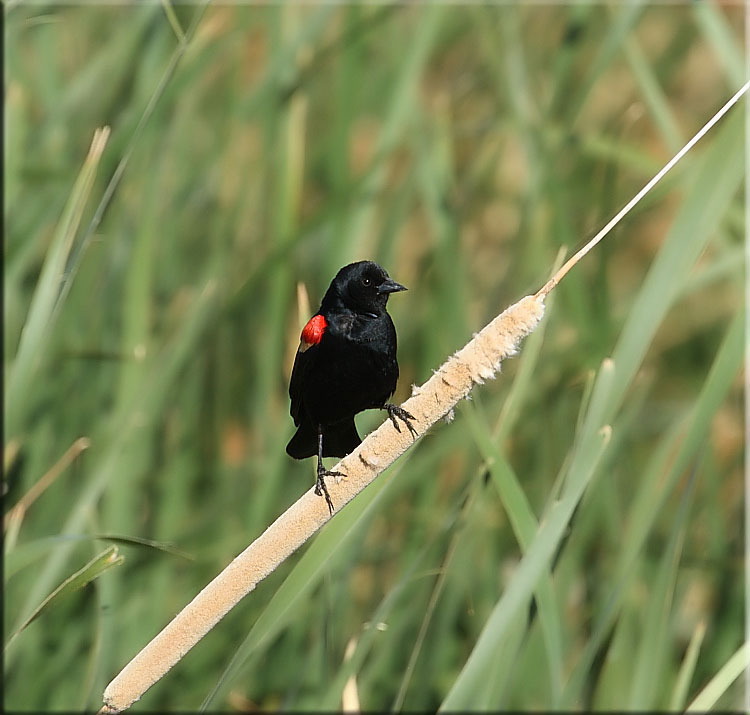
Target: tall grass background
{"type": "Point", "coordinates": [150, 306]}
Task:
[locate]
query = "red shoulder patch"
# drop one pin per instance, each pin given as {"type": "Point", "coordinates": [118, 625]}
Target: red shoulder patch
{"type": "Point", "coordinates": [312, 333]}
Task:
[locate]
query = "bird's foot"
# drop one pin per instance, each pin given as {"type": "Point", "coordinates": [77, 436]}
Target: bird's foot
{"type": "Point", "coordinates": [395, 411]}
{"type": "Point", "coordinates": [320, 485]}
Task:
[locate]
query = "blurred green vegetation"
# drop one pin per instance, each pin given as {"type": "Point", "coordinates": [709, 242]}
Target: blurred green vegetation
{"type": "Point", "coordinates": [151, 308]}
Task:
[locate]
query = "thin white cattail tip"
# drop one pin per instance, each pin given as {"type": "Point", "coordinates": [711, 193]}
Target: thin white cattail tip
{"type": "Point", "coordinates": [625, 210]}
{"type": "Point", "coordinates": [82, 443]}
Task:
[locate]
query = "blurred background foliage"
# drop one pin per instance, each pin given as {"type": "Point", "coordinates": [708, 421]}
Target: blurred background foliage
{"type": "Point", "coordinates": [150, 308]}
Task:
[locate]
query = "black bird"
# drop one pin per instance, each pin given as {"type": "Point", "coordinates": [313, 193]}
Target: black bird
{"type": "Point", "coordinates": [346, 363]}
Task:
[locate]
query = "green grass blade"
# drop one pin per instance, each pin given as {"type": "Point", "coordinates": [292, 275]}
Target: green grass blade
{"type": "Point", "coordinates": [608, 49]}
{"type": "Point", "coordinates": [650, 655]}
{"type": "Point", "coordinates": [650, 497]}
{"type": "Point", "coordinates": [306, 574]}
{"type": "Point", "coordinates": [687, 669]}
{"type": "Point", "coordinates": [30, 552]}
{"type": "Point", "coordinates": [400, 110]}
{"type": "Point", "coordinates": [653, 95]}
{"type": "Point", "coordinates": [525, 526]}
{"type": "Point", "coordinates": [144, 406]}
{"type": "Point", "coordinates": [718, 33]}
{"type": "Point", "coordinates": [109, 558]}
{"type": "Point", "coordinates": [133, 141]}
{"type": "Point", "coordinates": [173, 20]}
{"type": "Point", "coordinates": [331, 699]}
{"type": "Point", "coordinates": [146, 543]}
{"type": "Point", "coordinates": [674, 454]}
{"type": "Point", "coordinates": [588, 451]}
{"type": "Point", "coordinates": [479, 665]}
{"type": "Point", "coordinates": [255, 146]}
{"type": "Point", "coordinates": [33, 344]}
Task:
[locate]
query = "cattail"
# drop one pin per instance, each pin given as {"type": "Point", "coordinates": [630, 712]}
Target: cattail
{"type": "Point", "coordinates": [478, 361]}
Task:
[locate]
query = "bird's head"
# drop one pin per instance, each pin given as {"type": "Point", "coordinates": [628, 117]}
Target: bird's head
{"type": "Point", "coordinates": [363, 287]}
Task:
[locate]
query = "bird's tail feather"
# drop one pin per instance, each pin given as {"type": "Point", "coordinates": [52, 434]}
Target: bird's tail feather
{"type": "Point", "coordinates": [338, 440]}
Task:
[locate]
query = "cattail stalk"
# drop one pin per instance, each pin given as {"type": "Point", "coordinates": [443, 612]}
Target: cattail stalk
{"type": "Point", "coordinates": [478, 361]}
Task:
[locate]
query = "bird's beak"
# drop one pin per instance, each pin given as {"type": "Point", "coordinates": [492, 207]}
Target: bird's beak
{"type": "Point", "coordinates": [390, 286]}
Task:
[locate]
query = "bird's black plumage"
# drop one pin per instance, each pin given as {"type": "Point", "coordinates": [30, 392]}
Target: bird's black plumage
{"type": "Point", "coordinates": [346, 363]}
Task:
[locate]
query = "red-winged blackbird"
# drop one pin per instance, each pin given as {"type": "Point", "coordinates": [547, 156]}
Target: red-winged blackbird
{"type": "Point", "coordinates": [346, 363]}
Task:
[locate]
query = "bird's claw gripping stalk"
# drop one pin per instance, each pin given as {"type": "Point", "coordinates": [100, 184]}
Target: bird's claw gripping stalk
{"type": "Point", "coordinates": [395, 411]}
{"type": "Point", "coordinates": [320, 485]}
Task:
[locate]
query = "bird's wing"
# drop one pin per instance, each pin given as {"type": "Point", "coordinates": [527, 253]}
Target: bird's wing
{"type": "Point", "coordinates": [301, 362]}
{"type": "Point", "coordinates": [310, 339]}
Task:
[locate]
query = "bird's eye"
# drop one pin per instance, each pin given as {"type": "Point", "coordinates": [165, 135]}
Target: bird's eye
{"type": "Point", "coordinates": [366, 281]}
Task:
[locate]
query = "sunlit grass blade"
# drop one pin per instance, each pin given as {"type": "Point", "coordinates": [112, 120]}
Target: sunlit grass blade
{"type": "Point", "coordinates": [33, 344]}
{"type": "Point", "coordinates": [146, 543]}
{"type": "Point", "coordinates": [132, 143]}
{"type": "Point", "coordinates": [673, 455]}
{"type": "Point", "coordinates": [720, 683]}
{"type": "Point", "coordinates": [14, 517]}
{"type": "Point", "coordinates": [687, 669]}
{"type": "Point", "coordinates": [517, 395]}
{"type": "Point", "coordinates": [531, 568]}
{"type": "Point", "coordinates": [491, 692]}
{"type": "Point", "coordinates": [525, 527]}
